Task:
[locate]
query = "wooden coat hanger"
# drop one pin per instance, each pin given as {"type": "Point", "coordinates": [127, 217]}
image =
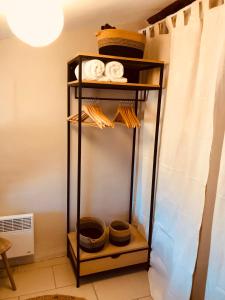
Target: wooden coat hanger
{"type": "Point", "coordinates": [126, 115]}
{"type": "Point", "coordinates": [93, 112]}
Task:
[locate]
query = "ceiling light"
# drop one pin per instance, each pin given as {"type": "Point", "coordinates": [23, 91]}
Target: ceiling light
{"type": "Point", "coordinates": [35, 22]}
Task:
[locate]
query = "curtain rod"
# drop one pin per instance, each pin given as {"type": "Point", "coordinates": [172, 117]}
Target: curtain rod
{"type": "Point", "coordinates": [169, 10]}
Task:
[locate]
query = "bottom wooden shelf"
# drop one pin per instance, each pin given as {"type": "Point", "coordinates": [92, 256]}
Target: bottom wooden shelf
{"type": "Point", "coordinates": [110, 257]}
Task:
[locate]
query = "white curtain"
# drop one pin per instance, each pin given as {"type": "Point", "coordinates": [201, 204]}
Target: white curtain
{"type": "Point", "coordinates": [187, 132]}
{"type": "Point", "coordinates": [215, 288]}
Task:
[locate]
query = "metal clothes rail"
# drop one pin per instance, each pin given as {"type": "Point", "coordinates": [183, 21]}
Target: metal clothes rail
{"type": "Point", "coordinates": [136, 66]}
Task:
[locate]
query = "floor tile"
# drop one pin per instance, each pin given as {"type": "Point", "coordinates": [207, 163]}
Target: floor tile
{"type": "Point", "coordinates": [85, 291]}
{"type": "Point", "coordinates": [43, 264]}
{"type": "Point", "coordinates": [33, 295]}
{"type": "Point", "coordinates": [64, 275]}
{"type": "Point", "coordinates": [123, 287]}
{"type": "Point", "coordinates": [28, 282]}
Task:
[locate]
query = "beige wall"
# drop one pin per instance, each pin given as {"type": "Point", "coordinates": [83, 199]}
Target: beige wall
{"type": "Point", "coordinates": [33, 143]}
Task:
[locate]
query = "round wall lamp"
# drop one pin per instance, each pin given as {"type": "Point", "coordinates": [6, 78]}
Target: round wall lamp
{"type": "Point", "coordinates": [35, 22]}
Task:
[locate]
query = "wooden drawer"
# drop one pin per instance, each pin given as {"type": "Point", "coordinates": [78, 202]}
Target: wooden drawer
{"type": "Point", "coordinates": [110, 257]}
{"type": "Point", "coordinates": [113, 262]}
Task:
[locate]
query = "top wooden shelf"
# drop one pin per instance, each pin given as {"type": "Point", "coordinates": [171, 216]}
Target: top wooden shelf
{"type": "Point", "coordinates": [132, 63]}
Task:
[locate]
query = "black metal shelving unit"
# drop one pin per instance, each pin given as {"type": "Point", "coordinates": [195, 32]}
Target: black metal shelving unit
{"type": "Point", "coordinates": [139, 252]}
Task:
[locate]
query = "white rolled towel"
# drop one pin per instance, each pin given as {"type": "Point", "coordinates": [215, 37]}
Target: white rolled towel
{"type": "Point", "coordinates": [94, 69]}
{"type": "Point", "coordinates": [91, 69]}
{"type": "Point", "coordinates": [103, 78]}
{"type": "Point", "coordinates": [122, 80]}
{"type": "Point", "coordinates": [76, 71]}
{"type": "Point", "coordinates": [106, 79]}
{"type": "Point", "coordinates": [114, 70]}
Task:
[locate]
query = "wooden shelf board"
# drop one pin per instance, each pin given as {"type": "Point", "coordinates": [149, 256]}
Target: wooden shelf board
{"type": "Point", "coordinates": [114, 85]}
{"type": "Point", "coordinates": [111, 57]}
{"type": "Point", "coordinates": [138, 242]}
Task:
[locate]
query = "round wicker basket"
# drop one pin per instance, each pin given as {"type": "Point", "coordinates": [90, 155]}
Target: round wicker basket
{"type": "Point", "coordinates": [119, 233]}
{"type": "Point", "coordinates": [92, 234]}
{"type": "Point", "coordinates": [120, 42]}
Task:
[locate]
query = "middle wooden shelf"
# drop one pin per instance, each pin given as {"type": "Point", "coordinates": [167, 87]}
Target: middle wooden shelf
{"type": "Point", "coordinates": [114, 85]}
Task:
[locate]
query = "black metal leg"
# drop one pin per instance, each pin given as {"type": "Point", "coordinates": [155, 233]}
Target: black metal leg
{"type": "Point", "coordinates": [68, 167]}
{"type": "Point", "coordinates": [78, 281]}
{"type": "Point", "coordinates": [154, 168]}
{"type": "Point", "coordinates": [147, 266]}
{"type": "Point", "coordinates": [79, 172]}
{"type": "Point", "coordinates": [133, 163]}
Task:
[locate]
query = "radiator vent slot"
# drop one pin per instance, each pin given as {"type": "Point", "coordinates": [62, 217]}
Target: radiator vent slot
{"type": "Point", "coordinates": [17, 224]}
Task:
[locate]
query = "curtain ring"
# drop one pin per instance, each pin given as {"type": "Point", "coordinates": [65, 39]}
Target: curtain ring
{"type": "Point", "coordinates": [194, 11]}
{"type": "Point", "coordinates": [156, 29]}
{"type": "Point", "coordinates": [169, 23]}
{"type": "Point", "coordinates": [205, 6]}
{"type": "Point", "coordinates": [179, 19]}
{"type": "Point", "coordinates": [148, 32]}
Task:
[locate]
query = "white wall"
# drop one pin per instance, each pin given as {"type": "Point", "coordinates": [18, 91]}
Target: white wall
{"type": "Point", "coordinates": [33, 142]}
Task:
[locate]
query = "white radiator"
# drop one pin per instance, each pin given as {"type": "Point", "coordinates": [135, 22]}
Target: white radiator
{"type": "Point", "coordinates": [19, 230]}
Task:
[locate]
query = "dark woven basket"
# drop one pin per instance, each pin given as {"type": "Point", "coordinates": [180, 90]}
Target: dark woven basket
{"type": "Point", "coordinates": [92, 234]}
{"type": "Point", "coordinates": [119, 233]}
{"type": "Point", "coordinates": [119, 42]}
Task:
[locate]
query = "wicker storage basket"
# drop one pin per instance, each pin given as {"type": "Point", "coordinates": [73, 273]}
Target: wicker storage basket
{"type": "Point", "coordinates": [119, 233]}
{"type": "Point", "coordinates": [121, 43]}
{"type": "Point", "coordinates": [92, 234]}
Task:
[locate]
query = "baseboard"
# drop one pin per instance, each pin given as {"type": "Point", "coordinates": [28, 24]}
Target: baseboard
{"type": "Point", "coordinates": [32, 259]}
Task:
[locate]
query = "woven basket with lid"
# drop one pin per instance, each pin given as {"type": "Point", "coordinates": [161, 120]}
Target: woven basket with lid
{"type": "Point", "coordinates": [120, 42]}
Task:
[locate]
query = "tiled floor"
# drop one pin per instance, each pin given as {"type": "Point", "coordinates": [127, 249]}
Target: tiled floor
{"type": "Point", "coordinates": [56, 277]}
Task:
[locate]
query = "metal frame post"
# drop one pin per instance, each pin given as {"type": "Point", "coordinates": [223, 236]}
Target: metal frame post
{"type": "Point", "coordinates": [133, 163]}
{"type": "Point", "coordinates": [79, 171]}
{"type": "Point", "coordinates": [68, 167]}
{"type": "Point", "coordinates": [155, 160]}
